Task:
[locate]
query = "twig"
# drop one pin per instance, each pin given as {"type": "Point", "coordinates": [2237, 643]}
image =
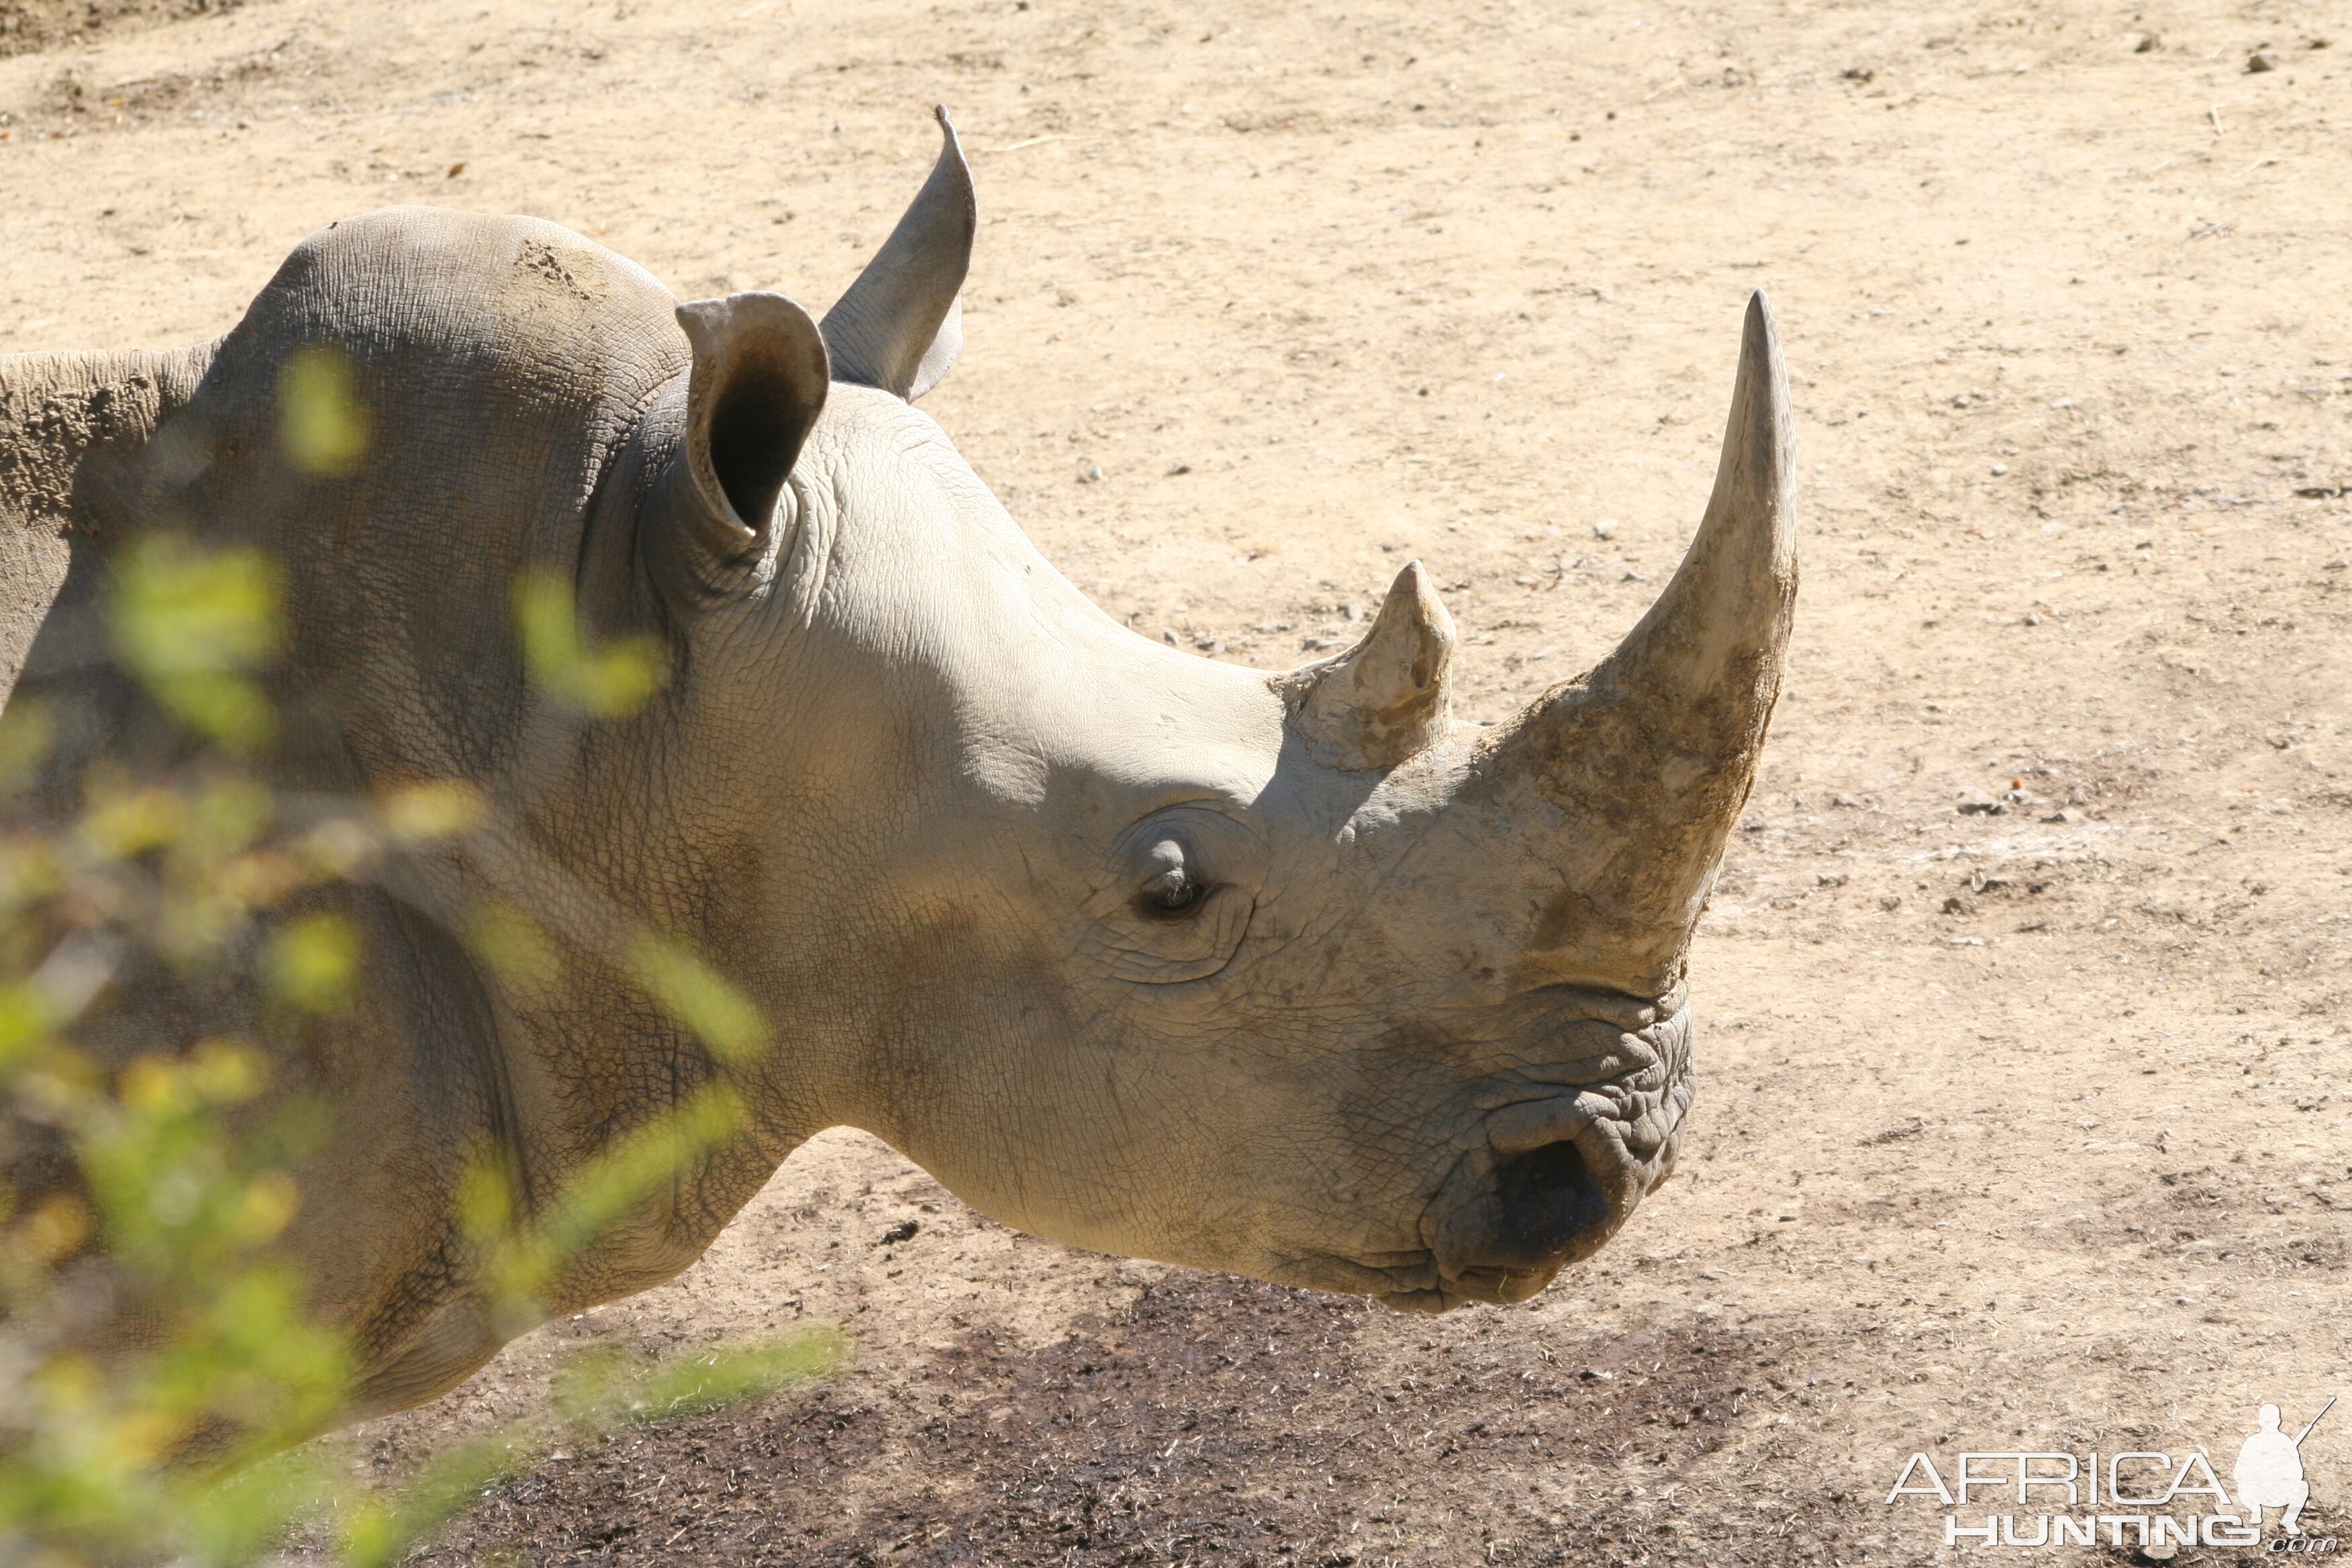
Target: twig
{"type": "Point", "coordinates": [2213, 113]}
{"type": "Point", "coordinates": [1032, 142]}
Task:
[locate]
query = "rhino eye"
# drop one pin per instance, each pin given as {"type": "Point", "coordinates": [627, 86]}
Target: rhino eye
{"type": "Point", "coordinates": [1171, 888]}
{"type": "Point", "coordinates": [1172, 900]}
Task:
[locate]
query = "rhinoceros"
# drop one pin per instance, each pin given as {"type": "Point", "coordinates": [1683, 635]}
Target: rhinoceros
{"type": "Point", "coordinates": [1290, 974]}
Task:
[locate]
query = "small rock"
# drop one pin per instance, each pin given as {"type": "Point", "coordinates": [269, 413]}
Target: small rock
{"type": "Point", "coordinates": [2158, 1552]}
{"type": "Point", "coordinates": [1090, 473]}
{"type": "Point", "coordinates": [1176, 469]}
{"type": "Point", "coordinates": [2148, 44]}
{"type": "Point", "coordinates": [903, 1231]}
{"type": "Point", "coordinates": [1168, 637]}
{"type": "Point", "coordinates": [1605, 528]}
{"type": "Point", "coordinates": [1858, 73]}
{"type": "Point", "coordinates": [1999, 470]}
{"type": "Point", "coordinates": [2256, 63]}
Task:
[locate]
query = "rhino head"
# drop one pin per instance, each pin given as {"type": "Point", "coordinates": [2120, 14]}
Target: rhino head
{"type": "Point", "coordinates": [1289, 975]}
{"type": "Point", "coordinates": [1285, 974]}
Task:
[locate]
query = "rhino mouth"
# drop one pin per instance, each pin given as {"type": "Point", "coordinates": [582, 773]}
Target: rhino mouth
{"type": "Point", "coordinates": [1556, 1175]}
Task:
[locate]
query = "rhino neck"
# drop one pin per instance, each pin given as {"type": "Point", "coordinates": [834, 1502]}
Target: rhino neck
{"type": "Point", "coordinates": [70, 426]}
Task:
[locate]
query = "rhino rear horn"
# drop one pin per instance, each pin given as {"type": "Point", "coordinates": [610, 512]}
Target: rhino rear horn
{"type": "Point", "coordinates": [1388, 697]}
{"type": "Point", "coordinates": [899, 326]}
{"type": "Point", "coordinates": [1647, 762]}
{"type": "Point", "coordinates": [756, 385]}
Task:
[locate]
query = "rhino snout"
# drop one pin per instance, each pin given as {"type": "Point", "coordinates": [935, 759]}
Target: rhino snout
{"type": "Point", "coordinates": [1529, 1216]}
{"type": "Point", "coordinates": [1559, 1175]}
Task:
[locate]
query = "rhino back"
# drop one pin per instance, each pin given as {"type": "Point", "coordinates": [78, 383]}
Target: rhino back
{"type": "Point", "coordinates": [71, 426]}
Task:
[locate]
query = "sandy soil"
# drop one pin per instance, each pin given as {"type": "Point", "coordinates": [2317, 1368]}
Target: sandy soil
{"type": "Point", "coordinates": [2023, 1118]}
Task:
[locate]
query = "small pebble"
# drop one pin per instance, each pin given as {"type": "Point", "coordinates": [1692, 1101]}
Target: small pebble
{"type": "Point", "coordinates": [1605, 528]}
{"type": "Point", "coordinates": [2256, 63]}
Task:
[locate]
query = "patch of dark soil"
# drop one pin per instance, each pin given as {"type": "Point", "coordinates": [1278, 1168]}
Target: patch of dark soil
{"type": "Point", "coordinates": [71, 102]}
{"type": "Point", "coordinates": [1216, 1420]}
{"type": "Point", "coordinates": [29, 24]}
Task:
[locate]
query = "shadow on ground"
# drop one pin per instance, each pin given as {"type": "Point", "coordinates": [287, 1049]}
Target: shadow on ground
{"type": "Point", "coordinates": [1213, 1420]}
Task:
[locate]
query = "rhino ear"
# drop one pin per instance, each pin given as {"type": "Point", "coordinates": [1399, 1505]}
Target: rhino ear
{"type": "Point", "coordinates": [756, 387]}
{"type": "Point", "coordinates": [1389, 696]}
{"type": "Point", "coordinates": [902, 323]}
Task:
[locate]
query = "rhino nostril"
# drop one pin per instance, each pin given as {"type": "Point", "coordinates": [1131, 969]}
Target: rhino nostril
{"type": "Point", "coordinates": [1548, 1198]}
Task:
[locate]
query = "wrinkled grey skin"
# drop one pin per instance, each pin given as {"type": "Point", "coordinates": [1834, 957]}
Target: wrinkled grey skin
{"type": "Point", "coordinates": [1289, 975]}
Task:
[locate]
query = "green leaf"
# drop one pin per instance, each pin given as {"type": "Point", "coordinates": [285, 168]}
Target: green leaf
{"type": "Point", "coordinates": [320, 425]}
{"type": "Point", "coordinates": [698, 997]}
{"type": "Point", "coordinates": [611, 682]}
{"type": "Point", "coordinates": [191, 624]}
{"type": "Point", "coordinates": [314, 963]}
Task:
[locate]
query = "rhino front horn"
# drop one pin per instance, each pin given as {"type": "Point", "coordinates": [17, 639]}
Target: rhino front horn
{"type": "Point", "coordinates": [1386, 698]}
{"type": "Point", "coordinates": [1646, 764]}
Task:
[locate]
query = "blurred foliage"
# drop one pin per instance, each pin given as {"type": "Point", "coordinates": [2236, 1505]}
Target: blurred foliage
{"type": "Point", "coordinates": [321, 423]}
{"type": "Point", "coordinates": [193, 626]}
{"type": "Point", "coordinates": [152, 1183]}
{"type": "Point", "coordinates": [611, 681]}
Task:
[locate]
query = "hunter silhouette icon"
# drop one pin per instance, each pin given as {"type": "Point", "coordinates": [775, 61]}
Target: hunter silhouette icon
{"type": "Point", "coordinates": [2269, 1472]}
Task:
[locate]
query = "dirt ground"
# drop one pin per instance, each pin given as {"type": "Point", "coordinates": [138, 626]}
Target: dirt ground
{"type": "Point", "coordinates": [2023, 1116]}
